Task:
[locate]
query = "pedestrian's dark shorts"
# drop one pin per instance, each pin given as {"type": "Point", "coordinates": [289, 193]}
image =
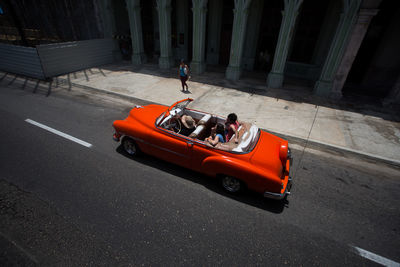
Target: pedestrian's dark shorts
{"type": "Point", "coordinates": [184, 78]}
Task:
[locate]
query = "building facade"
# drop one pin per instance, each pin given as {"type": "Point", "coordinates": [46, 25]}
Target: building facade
{"type": "Point", "coordinates": [334, 47]}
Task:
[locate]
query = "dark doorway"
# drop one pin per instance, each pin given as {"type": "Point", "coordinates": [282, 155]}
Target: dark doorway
{"type": "Point", "coordinates": [190, 32]}
{"type": "Point", "coordinates": [148, 27]}
{"type": "Point", "coordinates": [174, 30]}
{"type": "Point", "coordinates": [226, 32]}
{"type": "Point", "coordinates": [122, 28]}
{"type": "Point", "coordinates": [269, 33]}
{"type": "Point", "coordinates": [307, 30]}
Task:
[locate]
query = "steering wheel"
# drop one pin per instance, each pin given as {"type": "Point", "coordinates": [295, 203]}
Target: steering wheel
{"type": "Point", "coordinates": [175, 124]}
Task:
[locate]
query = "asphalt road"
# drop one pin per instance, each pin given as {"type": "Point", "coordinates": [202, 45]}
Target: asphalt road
{"type": "Point", "coordinates": [62, 203]}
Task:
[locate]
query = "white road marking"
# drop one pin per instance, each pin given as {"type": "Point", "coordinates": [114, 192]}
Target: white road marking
{"type": "Point", "coordinates": [376, 258]}
{"type": "Point", "coordinates": [67, 136]}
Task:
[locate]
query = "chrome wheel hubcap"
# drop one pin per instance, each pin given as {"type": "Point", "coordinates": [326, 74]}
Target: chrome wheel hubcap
{"type": "Point", "coordinates": [231, 184]}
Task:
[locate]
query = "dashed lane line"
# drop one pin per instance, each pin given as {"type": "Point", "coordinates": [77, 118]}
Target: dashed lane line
{"type": "Point", "coordinates": [376, 258]}
{"type": "Point", "coordinates": [54, 131]}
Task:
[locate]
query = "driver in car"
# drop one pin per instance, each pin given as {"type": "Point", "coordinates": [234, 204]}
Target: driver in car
{"type": "Point", "coordinates": [188, 125]}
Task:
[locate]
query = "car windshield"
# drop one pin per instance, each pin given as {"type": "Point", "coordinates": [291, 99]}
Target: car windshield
{"type": "Point", "coordinates": [162, 116]}
{"type": "Point", "coordinates": [180, 105]}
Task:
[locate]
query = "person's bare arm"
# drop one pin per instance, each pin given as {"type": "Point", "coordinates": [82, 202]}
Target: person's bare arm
{"type": "Point", "coordinates": [236, 133]}
{"type": "Point", "coordinates": [213, 141]}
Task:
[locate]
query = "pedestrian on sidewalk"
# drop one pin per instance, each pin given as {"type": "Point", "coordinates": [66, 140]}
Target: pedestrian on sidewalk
{"type": "Point", "coordinates": [183, 75]}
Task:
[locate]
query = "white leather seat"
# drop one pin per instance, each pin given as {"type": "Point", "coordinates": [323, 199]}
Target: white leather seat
{"type": "Point", "coordinates": [204, 120]}
{"type": "Point", "coordinates": [201, 125]}
{"type": "Point", "coordinates": [247, 139]}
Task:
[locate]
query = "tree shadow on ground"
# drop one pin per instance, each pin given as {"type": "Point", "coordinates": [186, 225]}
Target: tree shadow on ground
{"type": "Point", "coordinates": [248, 197]}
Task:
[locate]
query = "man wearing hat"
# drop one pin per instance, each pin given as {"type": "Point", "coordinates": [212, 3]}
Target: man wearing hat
{"type": "Point", "coordinates": [188, 125]}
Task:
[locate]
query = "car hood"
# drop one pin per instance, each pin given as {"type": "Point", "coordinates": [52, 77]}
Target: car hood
{"type": "Point", "coordinates": [146, 115]}
{"type": "Point", "coordinates": [266, 153]}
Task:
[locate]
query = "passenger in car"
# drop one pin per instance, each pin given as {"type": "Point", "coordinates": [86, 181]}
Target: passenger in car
{"type": "Point", "coordinates": [188, 125]}
{"type": "Point", "coordinates": [217, 135]}
{"type": "Point", "coordinates": [231, 127]}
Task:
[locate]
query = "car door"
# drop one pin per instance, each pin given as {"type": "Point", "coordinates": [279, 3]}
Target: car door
{"type": "Point", "coordinates": [200, 152]}
{"type": "Point", "coordinates": [172, 147]}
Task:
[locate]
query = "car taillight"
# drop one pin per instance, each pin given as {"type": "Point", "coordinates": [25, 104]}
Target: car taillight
{"type": "Point", "coordinates": [283, 153]}
{"type": "Point", "coordinates": [116, 136]}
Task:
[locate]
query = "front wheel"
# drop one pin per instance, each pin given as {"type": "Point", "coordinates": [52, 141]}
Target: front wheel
{"type": "Point", "coordinates": [130, 146]}
{"type": "Point", "coordinates": [231, 184]}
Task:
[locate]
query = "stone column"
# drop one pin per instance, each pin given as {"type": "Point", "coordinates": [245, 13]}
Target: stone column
{"type": "Point", "coordinates": [135, 23]}
{"type": "Point", "coordinates": [182, 28]}
{"type": "Point", "coordinates": [364, 18]}
{"type": "Point", "coordinates": [107, 15]}
{"type": "Point", "coordinates": [241, 13]}
{"type": "Point", "coordinates": [324, 85]}
{"type": "Point", "coordinates": [214, 31]}
{"type": "Point", "coordinates": [164, 19]}
{"type": "Point", "coordinates": [198, 64]}
{"type": "Point", "coordinates": [289, 16]}
{"type": "Point", "coordinates": [252, 33]}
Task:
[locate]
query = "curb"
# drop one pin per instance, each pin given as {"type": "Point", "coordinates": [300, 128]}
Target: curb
{"type": "Point", "coordinates": [324, 146]}
{"type": "Point", "coordinates": [298, 140]}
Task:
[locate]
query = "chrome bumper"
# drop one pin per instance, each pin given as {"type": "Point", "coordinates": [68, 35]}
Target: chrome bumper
{"type": "Point", "coordinates": [290, 157]}
{"type": "Point", "coordinates": [279, 196]}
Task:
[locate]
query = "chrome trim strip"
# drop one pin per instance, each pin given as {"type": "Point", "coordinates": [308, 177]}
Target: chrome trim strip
{"type": "Point", "coordinates": [159, 147]}
{"type": "Point", "coordinates": [276, 196]}
{"type": "Point", "coordinates": [290, 157]}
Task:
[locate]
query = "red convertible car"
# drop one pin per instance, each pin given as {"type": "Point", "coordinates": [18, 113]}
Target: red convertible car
{"type": "Point", "coordinates": [256, 160]}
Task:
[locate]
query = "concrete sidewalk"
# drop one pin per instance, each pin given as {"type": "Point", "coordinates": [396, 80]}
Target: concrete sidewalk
{"type": "Point", "coordinates": [293, 112]}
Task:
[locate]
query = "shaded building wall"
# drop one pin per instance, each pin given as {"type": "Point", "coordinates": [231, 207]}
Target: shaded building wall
{"type": "Point", "coordinates": [377, 64]}
{"type": "Point", "coordinates": [49, 21]}
{"type": "Point", "coordinates": [313, 32]}
{"type": "Point", "coordinates": [385, 66]}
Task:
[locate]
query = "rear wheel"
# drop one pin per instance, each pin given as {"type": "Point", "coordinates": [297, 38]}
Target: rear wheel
{"type": "Point", "coordinates": [232, 184]}
{"type": "Point", "coordinates": [130, 146]}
